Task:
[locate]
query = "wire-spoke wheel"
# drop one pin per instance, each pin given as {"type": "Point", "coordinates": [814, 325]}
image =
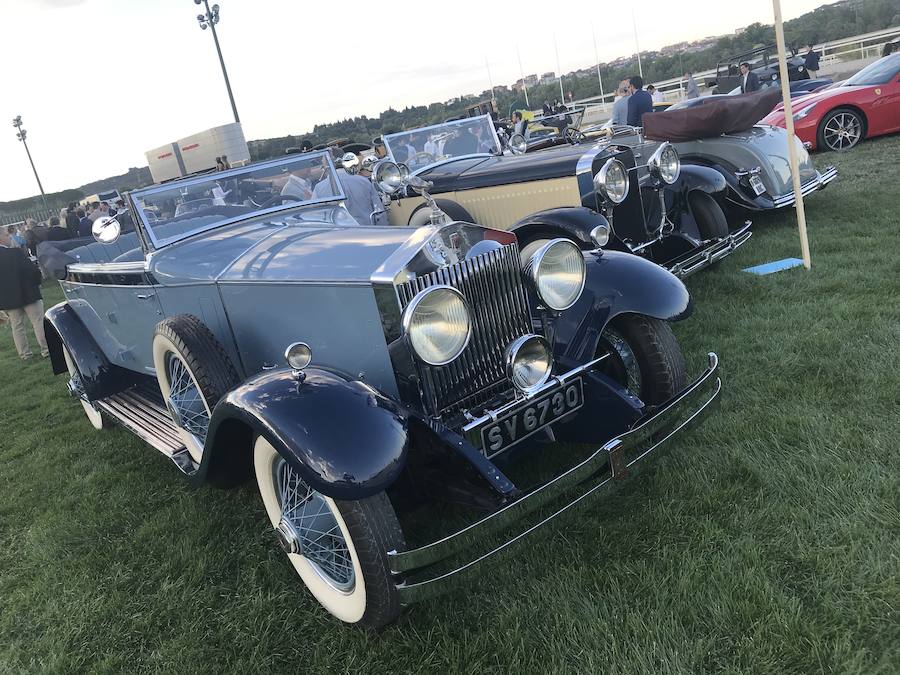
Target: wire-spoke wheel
{"type": "Point", "coordinates": [76, 388]}
{"type": "Point", "coordinates": [841, 129]}
{"type": "Point", "coordinates": [193, 372]}
{"type": "Point", "coordinates": [337, 547]}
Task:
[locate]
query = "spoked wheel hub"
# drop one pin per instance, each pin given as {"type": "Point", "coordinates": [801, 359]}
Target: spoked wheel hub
{"type": "Point", "coordinates": [308, 527]}
{"type": "Point", "coordinates": [185, 402]}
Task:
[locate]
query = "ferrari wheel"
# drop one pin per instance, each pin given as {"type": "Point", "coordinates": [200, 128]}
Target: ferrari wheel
{"type": "Point", "coordinates": [338, 548]}
{"type": "Point", "coordinates": [841, 129]}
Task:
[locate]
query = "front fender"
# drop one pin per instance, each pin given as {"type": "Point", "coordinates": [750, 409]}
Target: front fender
{"type": "Point", "coordinates": [346, 440]}
{"type": "Point", "coordinates": [704, 178]}
{"type": "Point", "coordinates": [573, 222]}
{"type": "Point", "coordinates": [617, 283]}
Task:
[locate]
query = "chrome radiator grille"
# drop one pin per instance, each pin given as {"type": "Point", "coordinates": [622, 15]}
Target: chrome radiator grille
{"type": "Point", "coordinates": [493, 287]}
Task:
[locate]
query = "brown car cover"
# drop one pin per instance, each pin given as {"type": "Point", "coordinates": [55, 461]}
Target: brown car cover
{"type": "Point", "coordinates": [723, 115]}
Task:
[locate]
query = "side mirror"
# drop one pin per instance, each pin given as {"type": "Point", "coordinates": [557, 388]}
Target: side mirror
{"type": "Point", "coordinates": [106, 230]}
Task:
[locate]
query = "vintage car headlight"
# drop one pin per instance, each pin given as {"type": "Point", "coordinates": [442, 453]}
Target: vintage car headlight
{"type": "Point", "coordinates": [517, 144]}
{"type": "Point", "coordinates": [438, 324]}
{"type": "Point", "coordinates": [529, 362]}
{"type": "Point", "coordinates": [665, 164]}
{"type": "Point", "coordinates": [612, 181]}
{"type": "Point", "coordinates": [298, 355]}
{"type": "Point", "coordinates": [387, 177]}
{"type": "Point", "coordinates": [557, 271]}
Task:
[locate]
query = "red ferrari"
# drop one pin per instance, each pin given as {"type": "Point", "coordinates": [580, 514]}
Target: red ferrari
{"type": "Point", "coordinates": [837, 118]}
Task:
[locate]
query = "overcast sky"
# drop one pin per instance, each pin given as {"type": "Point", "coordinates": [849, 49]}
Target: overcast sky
{"type": "Point", "coordinates": [98, 82]}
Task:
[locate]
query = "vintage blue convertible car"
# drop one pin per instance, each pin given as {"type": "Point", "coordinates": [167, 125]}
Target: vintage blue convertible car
{"type": "Point", "coordinates": [366, 375]}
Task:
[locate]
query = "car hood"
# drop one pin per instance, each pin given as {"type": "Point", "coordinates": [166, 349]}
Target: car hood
{"type": "Point", "coordinates": [315, 245]}
{"type": "Point", "coordinates": [801, 102]}
{"type": "Point", "coordinates": [466, 174]}
{"type": "Point", "coordinates": [762, 146]}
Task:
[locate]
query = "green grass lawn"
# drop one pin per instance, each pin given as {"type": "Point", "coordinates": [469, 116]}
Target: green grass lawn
{"type": "Point", "coordinates": [767, 541]}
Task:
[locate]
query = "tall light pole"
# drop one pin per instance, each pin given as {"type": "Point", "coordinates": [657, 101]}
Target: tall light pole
{"type": "Point", "coordinates": [209, 20]}
{"type": "Point", "coordinates": [636, 43]}
{"type": "Point", "coordinates": [21, 134]}
{"type": "Point", "coordinates": [562, 96]}
{"type": "Point", "coordinates": [522, 73]}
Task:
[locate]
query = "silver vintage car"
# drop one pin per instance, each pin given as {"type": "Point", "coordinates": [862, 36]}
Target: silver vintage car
{"type": "Point", "coordinates": [366, 375]}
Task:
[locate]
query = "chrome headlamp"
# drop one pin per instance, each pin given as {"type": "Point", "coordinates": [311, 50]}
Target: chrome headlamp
{"type": "Point", "coordinates": [529, 361]}
{"type": "Point", "coordinates": [387, 177]}
{"type": "Point", "coordinates": [665, 164]}
{"type": "Point", "coordinates": [612, 181]}
{"type": "Point", "coordinates": [557, 272]}
{"type": "Point", "coordinates": [600, 235]}
{"type": "Point", "coordinates": [438, 324]}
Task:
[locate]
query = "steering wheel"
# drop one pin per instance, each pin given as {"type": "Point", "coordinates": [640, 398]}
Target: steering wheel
{"type": "Point", "coordinates": [276, 199]}
{"type": "Point", "coordinates": [574, 136]}
{"type": "Point", "coordinates": [425, 157]}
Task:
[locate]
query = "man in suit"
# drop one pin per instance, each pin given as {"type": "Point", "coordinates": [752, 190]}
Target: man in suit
{"type": "Point", "coordinates": [20, 296]}
{"type": "Point", "coordinates": [639, 103]}
{"type": "Point", "coordinates": [749, 79]}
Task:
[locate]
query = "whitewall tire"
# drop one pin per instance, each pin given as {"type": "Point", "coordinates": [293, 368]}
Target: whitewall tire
{"type": "Point", "coordinates": [338, 548]}
{"type": "Point", "coordinates": [95, 417]}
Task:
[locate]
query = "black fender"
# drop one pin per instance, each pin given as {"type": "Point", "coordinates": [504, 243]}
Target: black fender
{"type": "Point", "coordinates": [346, 439]}
{"type": "Point", "coordinates": [100, 377]}
{"type": "Point", "coordinates": [617, 283]}
{"type": "Point", "coordinates": [704, 178]}
{"type": "Point", "coordinates": [572, 222]}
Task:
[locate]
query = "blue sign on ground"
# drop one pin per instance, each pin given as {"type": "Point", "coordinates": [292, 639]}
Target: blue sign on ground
{"type": "Point", "coordinates": [776, 266]}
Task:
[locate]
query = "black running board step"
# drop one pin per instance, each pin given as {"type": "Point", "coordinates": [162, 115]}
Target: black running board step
{"type": "Point", "coordinates": [143, 415]}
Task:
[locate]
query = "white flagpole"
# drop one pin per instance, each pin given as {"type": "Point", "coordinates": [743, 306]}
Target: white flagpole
{"type": "Point", "coordinates": [597, 59]}
{"type": "Point", "coordinates": [792, 139]}
{"type": "Point", "coordinates": [522, 73]}
{"type": "Point", "coordinates": [562, 96]}
{"type": "Point", "coordinates": [637, 44]}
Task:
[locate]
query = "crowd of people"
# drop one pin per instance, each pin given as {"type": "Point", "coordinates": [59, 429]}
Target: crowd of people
{"type": "Point", "coordinates": [73, 222]}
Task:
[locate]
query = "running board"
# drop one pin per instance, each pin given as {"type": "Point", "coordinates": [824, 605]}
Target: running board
{"type": "Point", "coordinates": [141, 411]}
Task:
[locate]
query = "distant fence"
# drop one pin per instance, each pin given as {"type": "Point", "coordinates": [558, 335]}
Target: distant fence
{"type": "Point", "coordinates": [38, 214]}
{"type": "Point", "coordinates": [860, 47]}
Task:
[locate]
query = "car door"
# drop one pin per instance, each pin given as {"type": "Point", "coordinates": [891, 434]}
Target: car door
{"type": "Point", "coordinates": [118, 303]}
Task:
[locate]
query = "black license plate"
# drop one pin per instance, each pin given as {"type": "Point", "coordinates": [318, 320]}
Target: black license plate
{"type": "Point", "coordinates": [531, 416]}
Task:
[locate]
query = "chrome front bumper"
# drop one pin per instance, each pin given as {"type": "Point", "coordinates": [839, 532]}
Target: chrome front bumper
{"type": "Point", "coordinates": [607, 465]}
{"type": "Point", "coordinates": [715, 250]}
{"type": "Point", "coordinates": [821, 180]}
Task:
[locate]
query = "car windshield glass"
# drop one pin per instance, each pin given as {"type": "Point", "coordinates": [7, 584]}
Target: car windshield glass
{"type": "Point", "coordinates": [179, 209]}
{"type": "Point", "coordinates": [420, 148]}
{"type": "Point", "coordinates": [880, 72]}
{"type": "Point", "coordinates": [554, 125]}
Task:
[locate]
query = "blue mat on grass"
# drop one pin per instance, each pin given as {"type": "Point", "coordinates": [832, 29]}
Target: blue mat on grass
{"type": "Point", "coordinates": [777, 266]}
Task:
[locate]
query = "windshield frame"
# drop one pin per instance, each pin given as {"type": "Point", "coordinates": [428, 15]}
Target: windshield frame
{"type": "Point", "coordinates": [452, 123]}
{"type": "Point", "coordinates": [895, 58]}
{"type": "Point", "coordinates": [155, 243]}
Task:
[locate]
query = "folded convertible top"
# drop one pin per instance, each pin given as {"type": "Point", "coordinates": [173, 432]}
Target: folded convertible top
{"type": "Point", "coordinates": [723, 115]}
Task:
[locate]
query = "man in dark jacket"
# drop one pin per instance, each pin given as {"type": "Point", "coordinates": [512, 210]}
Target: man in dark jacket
{"type": "Point", "coordinates": [56, 231]}
{"type": "Point", "coordinates": [639, 103]}
{"type": "Point", "coordinates": [811, 61]}
{"type": "Point", "coordinates": [749, 79]}
{"type": "Point", "coordinates": [72, 220]}
{"type": "Point", "coordinates": [20, 296]}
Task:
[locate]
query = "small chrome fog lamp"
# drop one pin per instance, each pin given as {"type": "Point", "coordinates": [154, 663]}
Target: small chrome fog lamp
{"type": "Point", "coordinates": [529, 362]}
{"type": "Point", "coordinates": [298, 355]}
{"type": "Point", "coordinates": [600, 235]}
